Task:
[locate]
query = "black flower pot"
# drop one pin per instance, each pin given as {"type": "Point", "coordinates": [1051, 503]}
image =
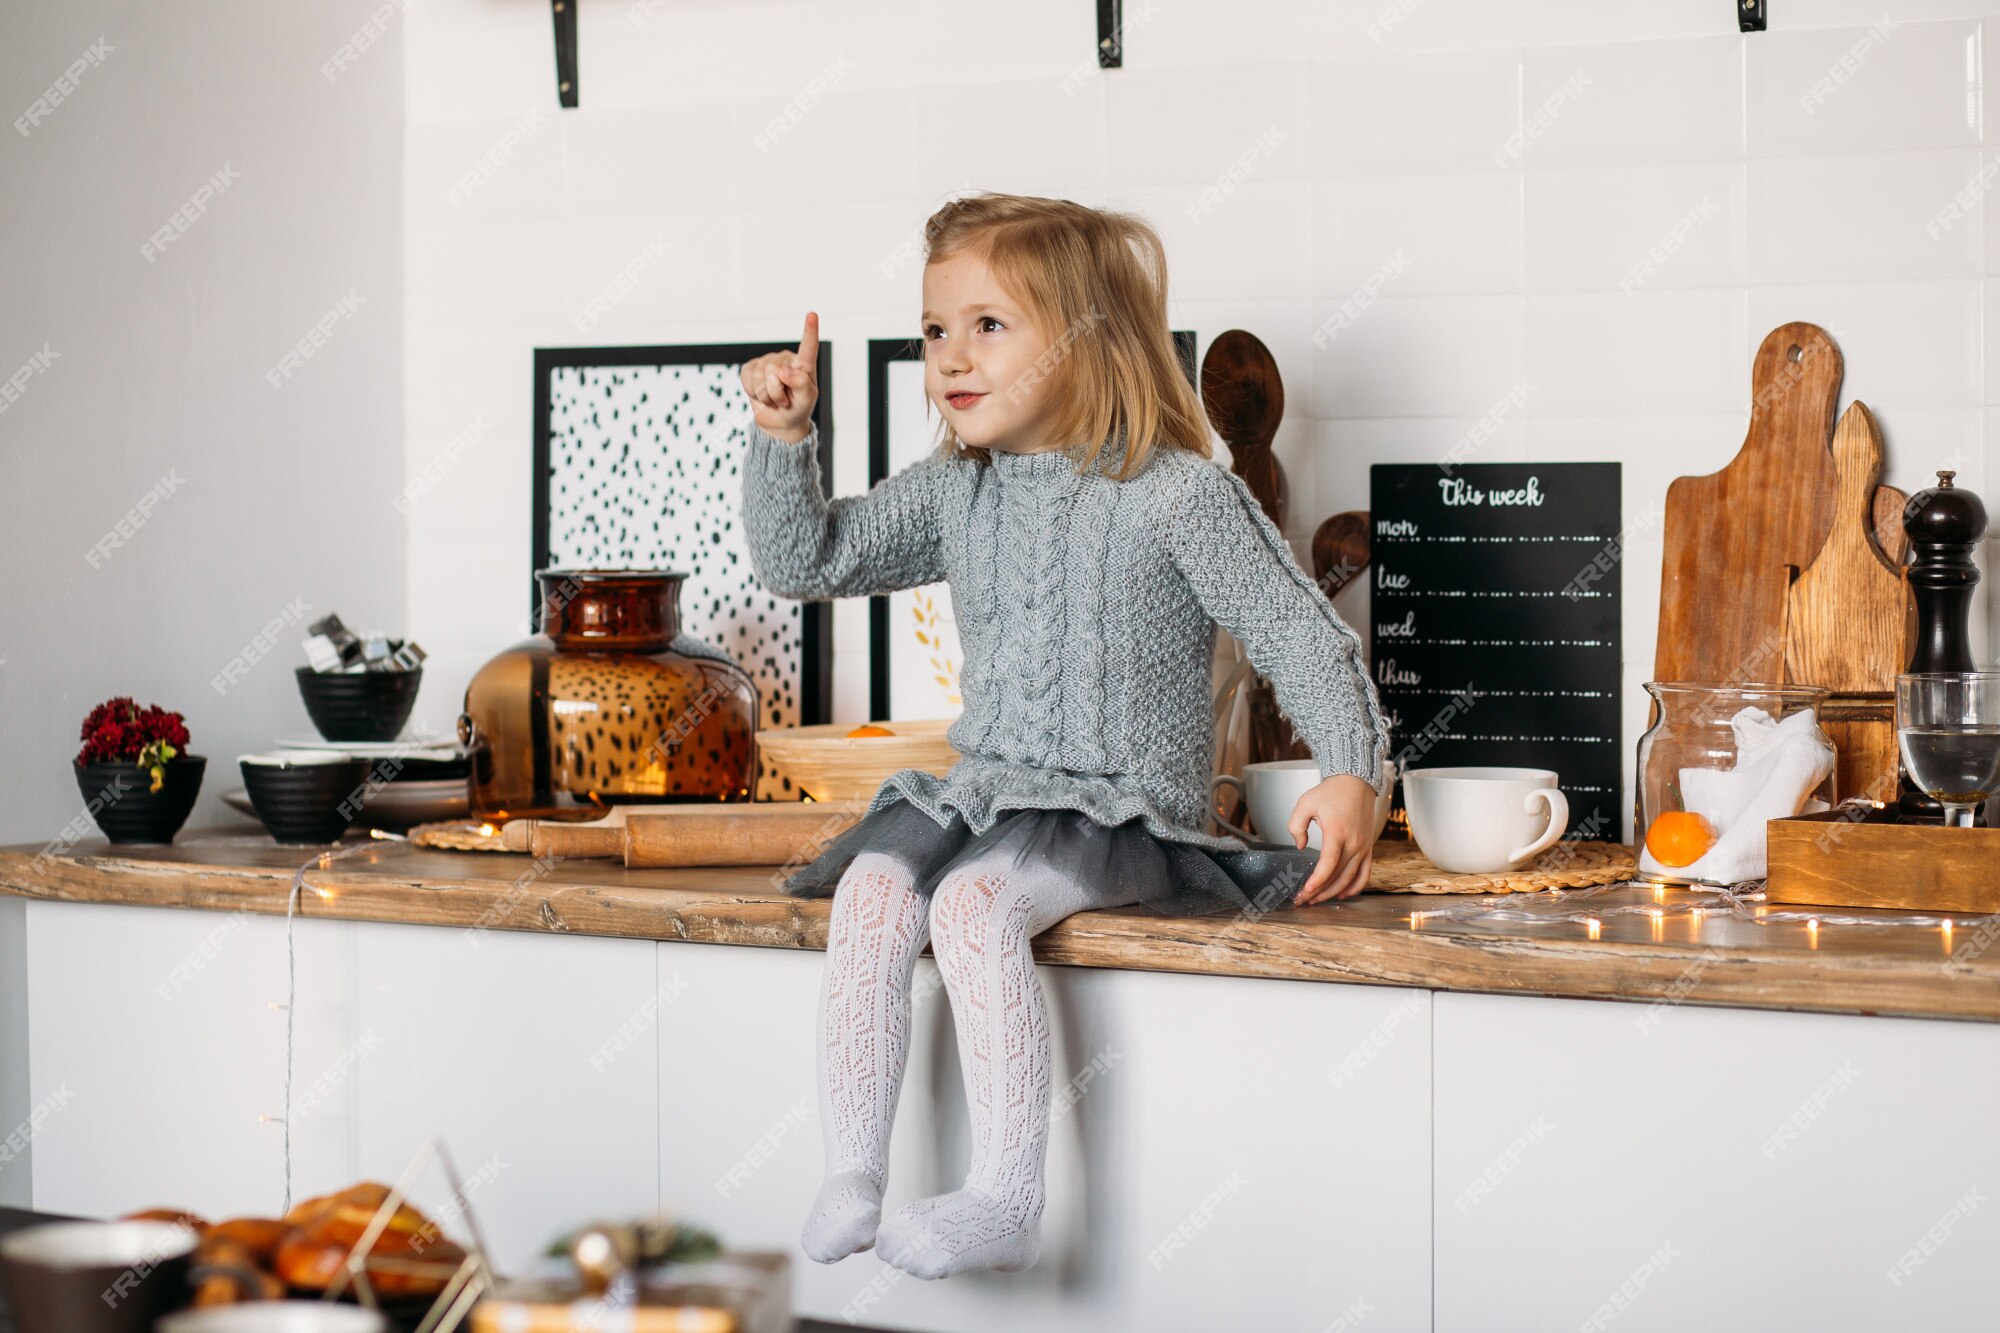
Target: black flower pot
{"type": "Point", "coordinates": [306, 799]}
{"type": "Point", "coordinates": [118, 795]}
{"type": "Point", "coordinates": [359, 705]}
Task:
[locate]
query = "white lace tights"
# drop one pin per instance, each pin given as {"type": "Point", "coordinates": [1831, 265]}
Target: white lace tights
{"type": "Point", "coordinates": [979, 924]}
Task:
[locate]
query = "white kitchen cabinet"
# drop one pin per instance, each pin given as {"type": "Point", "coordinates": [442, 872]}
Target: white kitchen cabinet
{"type": "Point", "coordinates": [156, 1056]}
{"type": "Point", "coordinates": [532, 1056]}
{"type": "Point", "coordinates": [1635, 1166]}
{"type": "Point", "coordinates": [1233, 1153]}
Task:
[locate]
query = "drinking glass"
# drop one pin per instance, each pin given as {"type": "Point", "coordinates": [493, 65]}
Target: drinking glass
{"type": "Point", "coordinates": [1948, 726]}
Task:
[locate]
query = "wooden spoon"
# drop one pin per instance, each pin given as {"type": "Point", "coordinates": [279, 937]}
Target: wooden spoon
{"type": "Point", "coordinates": [1341, 550]}
{"type": "Point", "coordinates": [1245, 400]}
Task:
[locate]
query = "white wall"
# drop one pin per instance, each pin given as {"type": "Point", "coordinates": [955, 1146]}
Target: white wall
{"type": "Point", "coordinates": [263, 494]}
{"type": "Point", "coordinates": [267, 493]}
{"type": "Point", "coordinates": [1387, 114]}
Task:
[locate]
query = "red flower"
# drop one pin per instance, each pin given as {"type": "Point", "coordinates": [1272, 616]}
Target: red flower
{"type": "Point", "coordinates": [119, 709]}
{"type": "Point", "coordinates": [119, 730]}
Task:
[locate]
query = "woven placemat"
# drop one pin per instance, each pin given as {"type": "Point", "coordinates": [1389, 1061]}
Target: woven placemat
{"type": "Point", "coordinates": [457, 835]}
{"type": "Point", "coordinates": [1399, 867]}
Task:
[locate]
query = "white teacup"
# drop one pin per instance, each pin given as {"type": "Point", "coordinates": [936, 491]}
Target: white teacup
{"type": "Point", "coordinates": [1272, 789]}
{"type": "Point", "coordinates": [1480, 820]}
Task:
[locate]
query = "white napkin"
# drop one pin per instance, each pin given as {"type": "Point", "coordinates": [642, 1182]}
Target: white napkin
{"type": "Point", "coordinates": [1778, 764]}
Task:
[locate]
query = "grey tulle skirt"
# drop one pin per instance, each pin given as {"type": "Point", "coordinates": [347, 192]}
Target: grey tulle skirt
{"type": "Point", "coordinates": [1138, 866]}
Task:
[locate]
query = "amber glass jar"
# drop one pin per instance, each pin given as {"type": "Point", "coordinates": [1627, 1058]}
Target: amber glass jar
{"type": "Point", "coordinates": [609, 704]}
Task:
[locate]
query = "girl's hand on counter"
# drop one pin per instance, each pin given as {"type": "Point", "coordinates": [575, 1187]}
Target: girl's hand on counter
{"type": "Point", "coordinates": [783, 386]}
{"type": "Point", "coordinates": [1344, 808]}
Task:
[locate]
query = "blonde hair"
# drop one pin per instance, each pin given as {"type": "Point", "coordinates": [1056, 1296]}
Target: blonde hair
{"type": "Point", "coordinates": [1095, 281]}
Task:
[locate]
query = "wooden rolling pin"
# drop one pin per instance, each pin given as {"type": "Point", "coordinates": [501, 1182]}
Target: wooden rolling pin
{"type": "Point", "coordinates": [725, 833]}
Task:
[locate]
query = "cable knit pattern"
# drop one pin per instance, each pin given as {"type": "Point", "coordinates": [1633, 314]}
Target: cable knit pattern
{"type": "Point", "coordinates": [1087, 610]}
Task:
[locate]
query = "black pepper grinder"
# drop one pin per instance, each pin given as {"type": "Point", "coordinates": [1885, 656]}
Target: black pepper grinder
{"type": "Point", "coordinates": [1945, 523]}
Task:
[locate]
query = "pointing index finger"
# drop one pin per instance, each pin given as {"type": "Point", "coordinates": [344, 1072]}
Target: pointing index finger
{"type": "Point", "coordinates": [809, 344]}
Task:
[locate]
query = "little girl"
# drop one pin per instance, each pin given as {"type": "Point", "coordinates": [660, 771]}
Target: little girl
{"type": "Point", "coordinates": [1091, 546]}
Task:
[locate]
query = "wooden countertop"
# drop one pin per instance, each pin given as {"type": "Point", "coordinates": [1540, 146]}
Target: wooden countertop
{"type": "Point", "coordinates": [1719, 959]}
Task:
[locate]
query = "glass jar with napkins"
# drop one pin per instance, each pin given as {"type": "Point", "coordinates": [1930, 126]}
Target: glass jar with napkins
{"type": "Point", "coordinates": [1718, 763]}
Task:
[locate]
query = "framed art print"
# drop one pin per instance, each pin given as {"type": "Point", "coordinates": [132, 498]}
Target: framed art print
{"type": "Point", "coordinates": [638, 465]}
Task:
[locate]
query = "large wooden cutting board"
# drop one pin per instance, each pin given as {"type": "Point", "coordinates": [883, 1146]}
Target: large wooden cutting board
{"type": "Point", "coordinates": [1736, 538]}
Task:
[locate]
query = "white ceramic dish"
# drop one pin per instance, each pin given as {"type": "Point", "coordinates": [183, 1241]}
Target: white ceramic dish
{"type": "Point", "coordinates": [409, 748]}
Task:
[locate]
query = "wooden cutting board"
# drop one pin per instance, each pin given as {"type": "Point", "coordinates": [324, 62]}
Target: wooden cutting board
{"type": "Point", "coordinates": [1846, 615]}
{"type": "Point", "coordinates": [729, 833]}
{"type": "Point", "coordinates": [1735, 538]}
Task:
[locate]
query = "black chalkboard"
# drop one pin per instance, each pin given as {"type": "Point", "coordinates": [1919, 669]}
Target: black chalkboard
{"type": "Point", "coordinates": [1494, 607]}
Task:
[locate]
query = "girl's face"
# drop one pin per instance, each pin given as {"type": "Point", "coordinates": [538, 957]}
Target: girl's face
{"type": "Point", "coordinates": [986, 365]}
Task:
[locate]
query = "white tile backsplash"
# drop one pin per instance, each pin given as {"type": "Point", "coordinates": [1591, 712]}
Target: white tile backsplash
{"type": "Point", "coordinates": [1252, 121]}
{"type": "Point", "coordinates": [1839, 90]}
{"type": "Point", "coordinates": [1991, 344]}
{"type": "Point", "coordinates": [1633, 229]}
{"type": "Point", "coordinates": [839, 145]}
{"type": "Point", "coordinates": [1480, 24]}
{"type": "Point", "coordinates": [1862, 13]}
{"type": "Point", "coordinates": [472, 172]}
{"type": "Point", "coordinates": [1917, 443]}
{"type": "Point", "coordinates": [1636, 353]}
{"type": "Point", "coordinates": [1560, 227]}
{"type": "Point", "coordinates": [1417, 356]}
{"type": "Point", "coordinates": [1036, 136]}
{"type": "Point", "coordinates": [1649, 101]}
{"type": "Point", "coordinates": [486, 276]}
{"type": "Point", "coordinates": [1450, 112]}
{"type": "Point", "coordinates": [1865, 216]}
{"type": "Point", "coordinates": [1439, 234]}
{"type": "Point", "coordinates": [639, 271]}
{"type": "Point", "coordinates": [656, 159]}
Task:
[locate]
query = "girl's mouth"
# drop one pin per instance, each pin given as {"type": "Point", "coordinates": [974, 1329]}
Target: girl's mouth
{"type": "Point", "coordinates": [963, 400]}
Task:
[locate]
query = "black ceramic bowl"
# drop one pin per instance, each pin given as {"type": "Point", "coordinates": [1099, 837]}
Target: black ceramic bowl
{"type": "Point", "coordinates": [305, 797]}
{"type": "Point", "coordinates": [360, 705]}
{"type": "Point", "coordinates": [119, 796]}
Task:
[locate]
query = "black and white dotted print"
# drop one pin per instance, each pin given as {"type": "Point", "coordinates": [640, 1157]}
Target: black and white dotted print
{"type": "Point", "coordinates": [645, 473]}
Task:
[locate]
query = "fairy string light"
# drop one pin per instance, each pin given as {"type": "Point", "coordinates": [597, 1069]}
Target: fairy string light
{"type": "Point", "coordinates": [1744, 903]}
{"type": "Point", "coordinates": [321, 861]}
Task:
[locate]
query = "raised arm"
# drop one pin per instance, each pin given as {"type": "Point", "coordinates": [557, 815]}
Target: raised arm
{"type": "Point", "coordinates": [807, 547]}
{"type": "Point", "coordinates": [1247, 580]}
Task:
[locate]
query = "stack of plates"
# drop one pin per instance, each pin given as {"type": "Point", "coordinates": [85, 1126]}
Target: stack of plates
{"type": "Point", "coordinates": [426, 781]}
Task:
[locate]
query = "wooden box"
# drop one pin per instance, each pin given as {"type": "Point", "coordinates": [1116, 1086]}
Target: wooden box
{"type": "Point", "coordinates": [1833, 859]}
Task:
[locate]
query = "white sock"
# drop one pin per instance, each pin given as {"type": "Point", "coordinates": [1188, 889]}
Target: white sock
{"type": "Point", "coordinates": [877, 929]}
{"type": "Point", "coordinates": [981, 921]}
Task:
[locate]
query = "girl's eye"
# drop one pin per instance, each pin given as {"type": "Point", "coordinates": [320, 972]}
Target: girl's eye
{"type": "Point", "coordinates": [930, 329]}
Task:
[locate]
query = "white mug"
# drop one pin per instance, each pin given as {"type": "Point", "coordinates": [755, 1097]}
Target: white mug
{"type": "Point", "coordinates": [1481, 820]}
{"type": "Point", "coordinates": [1272, 789]}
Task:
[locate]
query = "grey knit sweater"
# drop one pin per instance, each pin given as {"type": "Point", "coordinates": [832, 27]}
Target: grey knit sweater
{"type": "Point", "coordinates": [1086, 608]}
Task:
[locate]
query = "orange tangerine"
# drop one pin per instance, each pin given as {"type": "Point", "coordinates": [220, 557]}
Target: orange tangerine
{"type": "Point", "coordinates": [870, 729]}
{"type": "Point", "coordinates": [1679, 838]}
